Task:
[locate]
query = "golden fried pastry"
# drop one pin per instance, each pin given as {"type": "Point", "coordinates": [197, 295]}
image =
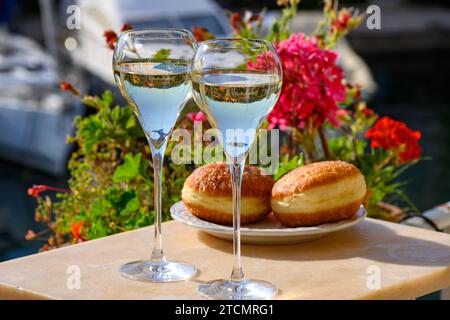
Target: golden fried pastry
{"type": "Point", "coordinates": [318, 193]}
{"type": "Point", "coordinates": [207, 194]}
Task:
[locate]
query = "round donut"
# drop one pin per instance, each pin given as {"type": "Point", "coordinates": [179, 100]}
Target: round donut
{"type": "Point", "coordinates": [207, 194]}
{"type": "Point", "coordinates": [318, 193]}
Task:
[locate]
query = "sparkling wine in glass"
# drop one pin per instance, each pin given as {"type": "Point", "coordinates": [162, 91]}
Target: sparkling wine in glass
{"type": "Point", "coordinates": [152, 70]}
{"type": "Point", "coordinates": [236, 82]}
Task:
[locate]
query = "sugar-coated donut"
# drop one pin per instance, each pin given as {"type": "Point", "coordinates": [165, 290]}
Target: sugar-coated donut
{"type": "Point", "coordinates": [318, 193]}
{"type": "Point", "coordinates": [207, 194]}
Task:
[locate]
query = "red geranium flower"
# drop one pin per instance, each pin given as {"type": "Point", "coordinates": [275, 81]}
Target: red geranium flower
{"type": "Point", "coordinates": [368, 112]}
{"type": "Point", "coordinates": [66, 86]}
{"type": "Point", "coordinates": [395, 135]}
{"type": "Point", "coordinates": [36, 190]}
{"type": "Point", "coordinates": [126, 27]}
{"type": "Point", "coordinates": [110, 38]}
{"type": "Point", "coordinates": [255, 17]}
{"type": "Point", "coordinates": [236, 21]}
{"type": "Point", "coordinates": [30, 235]}
{"type": "Point", "coordinates": [342, 21]}
{"type": "Point", "coordinates": [201, 34]}
{"type": "Point", "coordinates": [76, 230]}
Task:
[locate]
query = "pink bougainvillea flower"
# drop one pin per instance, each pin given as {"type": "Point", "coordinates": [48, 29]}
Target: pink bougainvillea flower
{"type": "Point", "coordinates": [266, 61]}
{"type": "Point", "coordinates": [196, 116]}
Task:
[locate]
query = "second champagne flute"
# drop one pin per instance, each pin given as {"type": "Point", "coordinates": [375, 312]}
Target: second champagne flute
{"type": "Point", "coordinates": [236, 82]}
{"type": "Point", "coordinates": [151, 68]}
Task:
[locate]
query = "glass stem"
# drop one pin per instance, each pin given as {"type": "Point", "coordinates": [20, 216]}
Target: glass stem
{"type": "Point", "coordinates": [237, 170]}
{"type": "Point", "coordinates": [158, 158]}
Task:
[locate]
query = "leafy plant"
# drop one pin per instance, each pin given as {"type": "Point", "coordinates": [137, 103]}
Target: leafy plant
{"type": "Point", "coordinates": [289, 165]}
{"type": "Point", "coordinates": [111, 178]}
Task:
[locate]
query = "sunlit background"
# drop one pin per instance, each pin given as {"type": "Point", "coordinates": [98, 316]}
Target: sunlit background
{"type": "Point", "coordinates": [403, 68]}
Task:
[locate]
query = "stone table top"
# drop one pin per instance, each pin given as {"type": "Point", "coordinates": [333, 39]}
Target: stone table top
{"type": "Point", "coordinates": [372, 260]}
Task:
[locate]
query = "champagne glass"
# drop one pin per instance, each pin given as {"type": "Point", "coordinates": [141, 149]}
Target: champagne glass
{"type": "Point", "coordinates": [151, 68]}
{"type": "Point", "coordinates": [236, 82]}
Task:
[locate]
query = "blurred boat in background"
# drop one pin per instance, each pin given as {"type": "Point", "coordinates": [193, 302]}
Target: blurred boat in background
{"type": "Point", "coordinates": [35, 117]}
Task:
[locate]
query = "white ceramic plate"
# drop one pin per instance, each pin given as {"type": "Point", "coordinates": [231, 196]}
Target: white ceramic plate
{"type": "Point", "coordinates": [268, 231]}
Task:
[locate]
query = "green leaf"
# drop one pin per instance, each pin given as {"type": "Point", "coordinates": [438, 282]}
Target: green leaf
{"type": "Point", "coordinates": [132, 205]}
{"type": "Point", "coordinates": [98, 229]}
{"type": "Point", "coordinates": [129, 169]}
{"type": "Point", "coordinates": [161, 55]}
{"type": "Point", "coordinates": [90, 101]}
{"type": "Point", "coordinates": [91, 131]}
{"type": "Point", "coordinates": [116, 114]}
{"type": "Point", "coordinates": [276, 27]}
{"type": "Point", "coordinates": [107, 98]}
{"type": "Point", "coordinates": [242, 66]}
{"type": "Point", "coordinates": [131, 122]}
{"type": "Point", "coordinates": [144, 218]}
{"type": "Point", "coordinates": [295, 162]}
{"type": "Point", "coordinates": [98, 208]}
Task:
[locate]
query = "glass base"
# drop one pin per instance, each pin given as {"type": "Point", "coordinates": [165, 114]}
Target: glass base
{"type": "Point", "coordinates": [164, 271]}
{"type": "Point", "coordinates": [233, 290]}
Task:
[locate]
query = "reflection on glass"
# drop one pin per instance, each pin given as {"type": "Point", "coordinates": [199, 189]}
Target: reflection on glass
{"type": "Point", "coordinates": [151, 68]}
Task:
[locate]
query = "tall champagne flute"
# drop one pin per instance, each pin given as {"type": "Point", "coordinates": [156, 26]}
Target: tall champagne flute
{"type": "Point", "coordinates": [151, 68]}
{"type": "Point", "coordinates": [236, 82]}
